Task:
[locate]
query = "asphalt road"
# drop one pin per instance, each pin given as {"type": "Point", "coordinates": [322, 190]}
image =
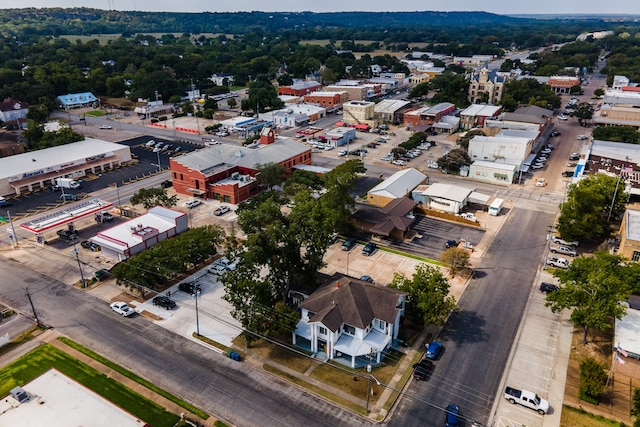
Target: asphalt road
{"type": "Point", "coordinates": [233, 391]}
{"type": "Point", "coordinates": [479, 335]}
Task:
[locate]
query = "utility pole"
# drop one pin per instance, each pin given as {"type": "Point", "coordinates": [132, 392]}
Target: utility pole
{"type": "Point", "coordinates": [75, 251]}
{"type": "Point", "coordinates": [33, 308]}
{"type": "Point", "coordinates": [13, 236]}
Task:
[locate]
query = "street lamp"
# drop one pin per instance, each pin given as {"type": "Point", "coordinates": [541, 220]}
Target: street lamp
{"type": "Point", "coordinates": [75, 252]}
{"type": "Point", "coordinates": [195, 295]}
{"type": "Point", "coordinates": [369, 390]}
{"type": "Point", "coordinates": [118, 195]}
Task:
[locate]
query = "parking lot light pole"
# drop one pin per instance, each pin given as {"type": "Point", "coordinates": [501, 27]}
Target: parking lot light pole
{"type": "Point", "coordinates": [75, 251]}
{"type": "Point", "coordinates": [195, 295]}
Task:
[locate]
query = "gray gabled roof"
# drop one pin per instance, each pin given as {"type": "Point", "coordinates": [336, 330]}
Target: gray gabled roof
{"type": "Point", "coordinates": [344, 300]}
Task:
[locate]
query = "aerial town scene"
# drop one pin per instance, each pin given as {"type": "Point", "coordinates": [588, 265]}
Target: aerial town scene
{"type": "Point", "coordinates": [319, 214]}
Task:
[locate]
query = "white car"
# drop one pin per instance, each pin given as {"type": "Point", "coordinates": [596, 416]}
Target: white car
{"type": "Point", "coordinates": [150, 143]}
{"type": "Point", "coordinates": [469, 216]}
{"type": "Point", "coordinates": [216, 268]}
{"type": "Point", "coordinates": [221, 210]}
{"type": "Point", "coordinates": [565, 250]}
{"type": "Point", "coordinates": [342, 153]}
{"type": "Point", "coordinates": [540, 182]}
{"type": "Point", "coordinates": [562, 117]}
{"type": "Point", "coordinates": [398, 162]}
{"type": "Point", "coordinates": [558, 262]}
{"type": "Point", "coordinates": [583, 137]}
{"type": "Point", "coordinates": [193, 203]}
{"type": "Point", "coordinates": [106, 127]}
{"type": "Point", "coordinates": [537, 166]}
{"type": "Point", "coordinates": [562, 242]}
{"type": "Point", "coordinates": [433, 165]}
{"type": "Point", "coordinates": [546, 151]}
{"type": "Point", "coordinates": [385, 158]}
{"type": "Point", "coordinates": [229, 265]}
{"type": "Point", "coordinates": [122, 308]}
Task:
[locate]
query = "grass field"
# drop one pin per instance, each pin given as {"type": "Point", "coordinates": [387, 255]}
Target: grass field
{"type": "Point", "coordinates": [572, 417]}
{"type": "Point", "coordinates": [45, 357]}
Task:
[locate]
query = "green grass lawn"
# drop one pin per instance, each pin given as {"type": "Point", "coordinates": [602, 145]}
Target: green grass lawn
{"type": "Point", "coordinates": [45, 357]}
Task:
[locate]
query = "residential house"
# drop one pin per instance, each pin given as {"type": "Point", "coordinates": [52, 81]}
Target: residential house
{"type": "Point", "coordinates": [222, 79]}
{"type": "Point", "coordinates": [350, 320]}
{"type": "Point", "coordinates": [392, 221]}
{"type": "Point", "coordinates": [13, 112]}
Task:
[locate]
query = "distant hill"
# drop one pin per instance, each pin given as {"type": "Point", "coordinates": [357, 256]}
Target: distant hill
{"type": "Point", "coordinates": [85, 21]}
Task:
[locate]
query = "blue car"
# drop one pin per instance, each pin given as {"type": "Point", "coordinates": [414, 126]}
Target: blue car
{"type": "Point", "coordinates": [433, 350]}
{"type": "Point", "coordinates": [452, 416]}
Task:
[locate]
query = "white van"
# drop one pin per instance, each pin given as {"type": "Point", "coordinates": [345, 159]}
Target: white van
{"type": "Point", "coordinates": [496, 207]}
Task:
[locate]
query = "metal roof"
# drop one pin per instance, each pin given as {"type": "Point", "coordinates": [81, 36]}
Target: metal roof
{"type": "Point", "coordinates": [399, 184]}
{"type": "Point", "coordinates": [448, 191]}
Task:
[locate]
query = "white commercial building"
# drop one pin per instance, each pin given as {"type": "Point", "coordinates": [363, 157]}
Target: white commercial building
{"type": "Point", "coordinates": [134, 236]}
{"type": "Point", "coordinates": [497, 173]}
{"type": "Point", "coordinates": [508, 146]}
{"type": "Point", "coordinates": [39, 169]}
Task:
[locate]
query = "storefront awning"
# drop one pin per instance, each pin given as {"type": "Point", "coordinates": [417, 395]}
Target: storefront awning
{"type": "Point", "coordinates": [195, 191]}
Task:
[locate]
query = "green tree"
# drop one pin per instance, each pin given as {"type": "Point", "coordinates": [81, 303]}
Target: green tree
{"type": "Point", "coordinates": [456, 258]}
{"type": "Point", "coordinates": [592, 379]}
{"type": "Point", "coordinates": [628, 134]}
{"type": "Point", "coordinates": [300, 180]}
{"type": "Point", "coordinates": [270, 174]}
{"type": "Point", "coordinates": [232, 103]}
{"type": "Point", "coordinates": [150, 197]}
{"type": "Point", "coordinates": [584, 112]}
{"type": "Point", "coordinates": [262, 96]}
{"type": "Point", "coordinates": [592, 287]}
{"type": "Point", "coordinates": [635, 407]}
{"type": "Point", "coordinates": [452, 161]}
{"type": "Point", "coordinates": [590, 207]}
{"type": "Point", "coordinates": [429, 301]}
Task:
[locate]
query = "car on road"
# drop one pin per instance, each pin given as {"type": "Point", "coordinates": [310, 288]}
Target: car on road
{"type": "Point", "coordinates": [574, 156]}
{"type": "Point", "coordinates": [451, 419]}
{"type": "Point", "coordinates": [164, 302]}
{"type": "Point", "coordinates": [369, 249]}
{"type": "Point", "coordinates": [555, 133]}
{"type": "Point", "coordinates": [342, 153]}
{"type": "Point", "coordinates": [87, 244]}
{"type": "Point", "coordinates": [540, 182]}
{"type": "Point", "coordinates": [348, 244]}
{"type": "Point", "coordinates": [106, 127]}
{"type": "Point", "coordinates": [564, 250]}
{"type": "Point", "coordinates": [567, 174]}
{"type": "Point", "coordinates": [193, 203]}
{"type": "Point", "coordinates": [558, 262]}
{"type": "Point", "coordinates": [221, 210]}
{"type": "Point", "coordinates": [548, 287]}
{"type": "Point", "coordinates": [190, 287]}
{"type": "Point", "coordinates": [433, 350]}
{"type": "Point", "coordinates": [122, 308]}
{"type": "Point", "coordinates": [583, 137]}
{"type": "Point", "coordinates": [366, 278]}
{"type": "Point", "coordinates": [451, 243]}
{"type": "Point", "coordinates": [557, 240]}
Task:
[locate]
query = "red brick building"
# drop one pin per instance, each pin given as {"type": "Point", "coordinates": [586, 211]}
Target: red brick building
{"type": "Point", "coordinates": [563, 84]}
{"type": "Point", "coordinates": [228, 173]}
{"type": "Point", "coordinates": [328, 100]}
{"type": "Point", "coordinates": [299, 89]}
{"type": "Point", "coordinates": [428, 116]}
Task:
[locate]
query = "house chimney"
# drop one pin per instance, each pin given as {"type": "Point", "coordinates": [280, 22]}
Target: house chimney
{"type": "Point", "coordinates": [337, 284]}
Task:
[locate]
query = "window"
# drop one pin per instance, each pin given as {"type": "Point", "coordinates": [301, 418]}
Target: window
{"type": "Point", "coordinates": [349, 330]}
{"type": "Point", "coordinates": [322, 330]}
{"type": "Point", "coordinates": [381, 324]}
{"type": "Point", "coordinates": [636, 256]}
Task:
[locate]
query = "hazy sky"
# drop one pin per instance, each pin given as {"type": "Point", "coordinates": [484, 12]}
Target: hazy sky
{"type": "Point", "coordinates": [625, 7]}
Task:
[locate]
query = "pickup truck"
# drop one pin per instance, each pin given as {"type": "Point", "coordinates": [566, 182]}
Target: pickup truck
{"type": "Point", "coordinates": [526, 398]}
{"type": "Point", "coordinates": [558, 262]}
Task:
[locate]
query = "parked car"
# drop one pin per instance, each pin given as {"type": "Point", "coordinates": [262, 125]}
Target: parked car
{"type": "Point", "coordinates": [87, 244]}
{"type": "Point", "coordinates": [567, 174]}
{"type": "Point", "coordinates": [469, 216]}
{"type": "Point", "coordinates": [367, 279]}
{"type": "Point", "coordinates": [425, 364]}
{"type": "Point", "coordinates": [555, 133]}
{"type": "Point", "coordinates": [369, 249]}
{"type": "Point", "coordinates": [68, 197]}
{"type": "Point", "coordinates": [420, 373]}
{"type": "Point", "coordinates": [557, 240]}
{"type": "Point", "coordinates": [106, 127]}
{"type": "Point", "coordinates": [193, 203]}
{"type": "Point", "coordinates": [66, 234]}
{"type": "Point", "coordinates": [565, 250]}
{"type": "Point", "coordinates": [122, 308]}
{"type": "Point", "coordinates": [433, 350]}
{"type": "Point", "coordinates": [432, 165]}
{"type": "Point", "coordinates": [342, 153]}
{"type": "Point", "coordinates": [190, 287]}
{"type": "Point", "coordinates": [398, 162]}
{"type": "Point", "coordinates": [583, 137]}
{"type": "Point", "coordinates": [548, 287]}
{"type": "Point", "coordinates": [216, 268]}
{"type": "Point", "coordinates": [540, 182]}
{"type": "Point", "coordinates": [227, 263]}
{"type": "Point", "coordinates": [546, 151]}
{"type": "Point", "coordinates": [386, 158]}
{"type": "Point", "coordinates": [221, 210]}
{"type": "Point", "coordinates": [537, 166]}
{"type": "Point", "coordinates": [164, 302]}
{"type": "Point", "coordinates": [166, 184]}
{"type": "Point", "coordinates": [150, 143]}
{"type": "Point", "coordinates": [562, 117]}
{"type": "Point", "coordinates": [348, 244]}
{"type": "Point", "coordinates": [451, 243]}
{"type": "Point", "coordinates": [558, 262]}
{"type": "Point", "coordinates": [451, 419]}
{"type": "Point", "coordinates": [574, 156]}
{"type": "Point", "coordinates": [106, 217]}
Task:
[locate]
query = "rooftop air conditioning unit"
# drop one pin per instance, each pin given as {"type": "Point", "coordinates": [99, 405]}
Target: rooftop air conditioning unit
{"type": "Point", "coordinates": [235, 175]}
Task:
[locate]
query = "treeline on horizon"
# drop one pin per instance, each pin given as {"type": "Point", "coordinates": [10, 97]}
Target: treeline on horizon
{"type": "Point", "coordinates": [383, 27]}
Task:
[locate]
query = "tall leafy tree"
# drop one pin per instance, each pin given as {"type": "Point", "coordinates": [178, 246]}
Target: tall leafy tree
{"type": "Point", "coordinates": [592, 287]}
{"type": "Point", "coordinates": [590, 207]}
{"type": "Point", "coordinates": [150, 197]}
{"type": "Point", "coordinates": [429, 300]}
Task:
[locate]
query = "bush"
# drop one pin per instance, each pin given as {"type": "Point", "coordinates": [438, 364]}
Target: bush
{"type": "Point", "coordinates": [592, 380]}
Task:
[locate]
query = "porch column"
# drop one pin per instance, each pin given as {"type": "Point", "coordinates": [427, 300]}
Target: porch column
{"type": "Point", "coordinates": [353, 361]}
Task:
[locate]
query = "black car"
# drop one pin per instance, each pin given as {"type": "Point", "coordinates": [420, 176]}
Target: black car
{"type": "Point", "coordinates": [90, 245]}
{"type": "Point", "coordinates": [68, 197]}
{"type": "Point", "coordinates": [67, 235]}
{"type": "Point", "coordinates": [420, 373]}
{"type": "Point", "coordinates": [164, 302]}
{"type": "Point", "coordinates": [369, 249]}
{"type": "Point", "coordinates": [424, 364]}
{"type": "Point", "coordinates": [190, 287]}
{"type": "Point", "coordinates": [567, 174]}
{"type": "Point", "coordinates": [348, 244]}
{"type": "Point", "coordinates": [548, 287]}
{"type": "Point", "coordinates": [166, 184]}
{"type": "Point", "coordinates": [555, 133]}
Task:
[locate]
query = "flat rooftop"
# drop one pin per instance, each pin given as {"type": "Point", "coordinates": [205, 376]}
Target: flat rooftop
{"type": "Point", "coordinates": [58, 401]}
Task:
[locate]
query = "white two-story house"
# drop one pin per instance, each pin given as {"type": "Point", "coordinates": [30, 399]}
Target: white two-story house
{"type": "Point", "coordinates": [350, 318]}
